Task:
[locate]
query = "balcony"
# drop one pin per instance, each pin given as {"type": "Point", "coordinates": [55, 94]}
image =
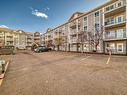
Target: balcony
{"type": "Point", "coordinates": [9, 36]}
{"type": "Point", "coordinates": [9, 40]}
{"type": "Point", "coordinates": [29, 37]}
{"type": "Point", "coordinates": [29, 40]}
{"type": "Point", "coordinates": [73, 40]}
{"type": "Point", "coordinates": [73, 32]}
{"type": "Point", "coordinates": [115, 22]}
{"type": "Point", "coordinates": [115, 8]}
{"type": "Point", "coordinates": [36, 38]}
{"type": "Point", "coordinates": [115, 36]}
{"type": "Point", "coordinates": [73, 26]}
{"type": "Point", "coordinates": [56, 36]}
{"type": "Point", "coordinates": [49, 39]}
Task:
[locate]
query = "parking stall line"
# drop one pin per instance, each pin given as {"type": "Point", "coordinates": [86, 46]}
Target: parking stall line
{"type": "Point", "coordinates": [86, 57]}
{"type": "Point", "coordinates": [1, 80]}
{"type": "Point", "coordinates": [109, 58]}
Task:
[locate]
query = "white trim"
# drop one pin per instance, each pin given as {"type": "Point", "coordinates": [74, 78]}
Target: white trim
{"type": "Point", "coordinates": [77, 28]}
{"type": "Point", "coordinates": [69, 33]}
{"type": "Point", "coordinates": [118, 48]}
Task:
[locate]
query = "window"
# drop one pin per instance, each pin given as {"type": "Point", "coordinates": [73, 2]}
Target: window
{"type": "Point", "coordinates": [85, 18]}
{"type": "Point", "coordinates": [120, 33]}
{"type": "Point", "coordinates": [111, 34]}
{"type": "Point", "coordinates": [97, 14]}
{"type": "Point", "coordinates": [120, 47]}
{"type": "Point", "coordinates": [97, 25]}
{"type": "Point", "coordinates": [111, 7]}
{"type": "Point", "coordinates": [119, 19]}
{"type": "Point", "coordinates": [107, 9]}
{"type": "Point", "coordinates": [85, 28]}
{"type": "Point", "coordinates": [112, 21]}
{"type": "Point", "coordinates": [107, 22]}
{"type": "Point", "coordinates": [111, 46]}
{"type": "Point", "coordinates": [119, 4]}
{"type": "Point", "coordinates": [79, 27]}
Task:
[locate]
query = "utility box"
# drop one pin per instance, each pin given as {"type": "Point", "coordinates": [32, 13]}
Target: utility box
{"type": "Point", "coordinates": [2, 66]}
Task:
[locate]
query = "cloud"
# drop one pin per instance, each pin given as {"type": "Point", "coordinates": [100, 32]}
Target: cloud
{"type": "Point", "coordinates": [48, 8]}
{"type": "Point", "coordinates": [38, 13]}
{"type": "Point", "coordinates": [3, 26]}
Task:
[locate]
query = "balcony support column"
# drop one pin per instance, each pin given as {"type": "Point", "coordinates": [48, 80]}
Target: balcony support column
{"type": "Point", "coordinates": [69, 34]}
{"type": "Point", "coordinates": [77, 35]}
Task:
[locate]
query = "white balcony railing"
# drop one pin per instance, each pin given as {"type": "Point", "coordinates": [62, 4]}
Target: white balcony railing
{"type": "Point", "coordinates": [116, 35]}
{"type": "Point", "coordinates": [115, 6]}
{"type": "Point", "coordinates": [73, 32]}
{"type": "Point", "coordinates": [115, 20]}
{"type": "Point", "coordinates": [73, 40]}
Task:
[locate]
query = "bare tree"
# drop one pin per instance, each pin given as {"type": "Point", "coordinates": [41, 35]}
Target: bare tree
{"type": "Point", "coordinates": [95, 37]}
{"type": "Point", "coordinates": [50, 43]}
{"type": "Point", "coordinates": [58, 42]}
{"type": "Point", "coordinates": [82, 39]}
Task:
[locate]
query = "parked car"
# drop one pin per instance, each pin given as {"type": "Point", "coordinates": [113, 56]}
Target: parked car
{"type": "Point", "coordinates": [41, 49]}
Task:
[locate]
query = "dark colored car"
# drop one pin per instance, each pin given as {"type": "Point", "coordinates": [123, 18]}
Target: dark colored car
{"type": "Point", "coordinates": [41, 49]}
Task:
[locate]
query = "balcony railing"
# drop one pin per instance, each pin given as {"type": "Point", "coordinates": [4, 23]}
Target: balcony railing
{"type": "Point", "coordinates": [115, 20]}
{"type": "Point", "coordinates": [73, 32]}
{"type": "Point", "coordinates": [73, 26]}
{"type": "Point", "coordinates": [74, 40]}
{"type": "Point", "coordinates": [115, 6]}
{"type": "Point", "coordinates": [116, 36]}
{"type": "Point", "coordinates": [9, 39]}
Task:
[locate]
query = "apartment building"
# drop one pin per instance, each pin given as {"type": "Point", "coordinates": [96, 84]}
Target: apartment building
{"type": "Point", "coordinates": [38, 38]}
{"type": "Point", "coordinates": [29, 40]}
{"type": "Point", "coordinates": [49, 38]}
{"type": "Point", "coordinates": [81, 31]}
{"type": "Point", "coordinates": [115, 16]}
{"type": "Point", "coordinates": [17, 39]}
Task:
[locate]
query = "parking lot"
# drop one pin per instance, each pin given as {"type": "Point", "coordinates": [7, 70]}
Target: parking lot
{"type": "Point", "coordinates": [65, 73]}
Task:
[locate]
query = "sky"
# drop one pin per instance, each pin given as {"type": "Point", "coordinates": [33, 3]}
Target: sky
{"type": "Point", "coordinates": [38, 15]}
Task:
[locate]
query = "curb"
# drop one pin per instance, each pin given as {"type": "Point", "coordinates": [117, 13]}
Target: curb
{"type": "Point", "coordinates": [3, 75]}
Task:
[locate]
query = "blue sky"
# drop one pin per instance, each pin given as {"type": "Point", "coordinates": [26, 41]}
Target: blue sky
{"type": "Point", "coordinates": [38, 15]}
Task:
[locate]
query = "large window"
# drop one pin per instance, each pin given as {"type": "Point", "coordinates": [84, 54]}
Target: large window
{"type": "Point", "coordinates": [85, 28]}
{"type": "Point", "coordinates": [97, 25]}
{"type": "Point", "coordinates": [97, 13]}
{"type": "Point", "coordinates": [110, 8]}
{"type": "Point", "coordinates": [119, 19]}
{"type": "Point", "coordinates": [110, 34]}
{"type": "Point", "coordinates": [119, 4]}
{"type": "Point", "coordinates": [119, 33]}
{"type": "Point", "coordinates": [85, 18]}
{"type": "Point", "coordinates": [111, 46]}
{"type": "Point", "coordinates": [120, 47]}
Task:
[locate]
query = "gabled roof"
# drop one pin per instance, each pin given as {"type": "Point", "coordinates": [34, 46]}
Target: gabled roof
{"type": "Point", "coordinates": [75, 15]}
{"type": "Point", "coordinates": [6, 30]}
